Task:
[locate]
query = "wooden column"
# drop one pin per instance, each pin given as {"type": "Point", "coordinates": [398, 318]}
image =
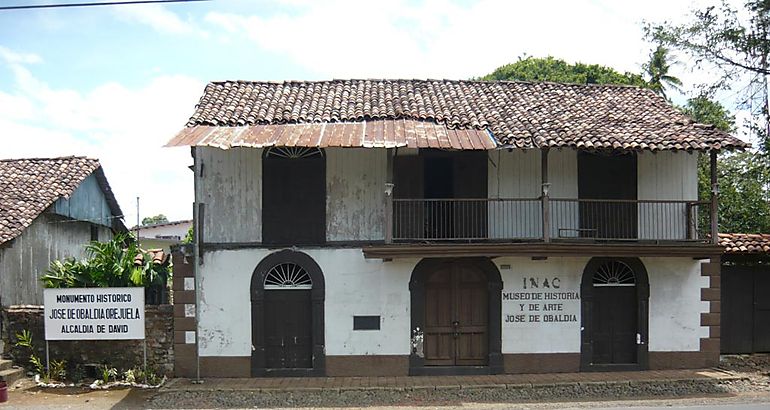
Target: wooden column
{"type": "Point", "coordinates": [544, 195]}
{"type": "Point", "coordinates": [389, 196]}
{"type": "Point", "coordinates": [714, 199]}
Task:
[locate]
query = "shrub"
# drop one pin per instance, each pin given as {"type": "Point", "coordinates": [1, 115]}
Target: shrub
{"type": "Point", "coordinates": [116, 263]}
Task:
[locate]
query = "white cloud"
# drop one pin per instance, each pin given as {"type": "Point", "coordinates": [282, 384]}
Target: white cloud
{"type": "Point", "coordinates": [12, 57]}
{"type": "Point", "coordinates": [124, 127]}
{"type": "Point", "coordinates": [443, 39]}
{"type": "Point", "coordinates": [159, 18]}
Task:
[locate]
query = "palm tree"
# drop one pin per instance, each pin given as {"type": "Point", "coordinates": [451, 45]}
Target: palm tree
{"type": "Point", "coordinates": [657, 69]}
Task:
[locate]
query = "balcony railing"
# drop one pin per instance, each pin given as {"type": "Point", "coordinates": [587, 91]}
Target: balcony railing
{"type": "Point", "coordinates": [500, 219]}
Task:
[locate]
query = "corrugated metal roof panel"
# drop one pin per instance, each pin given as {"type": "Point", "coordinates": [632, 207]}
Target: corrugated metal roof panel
{"type": "Point", "coordinates": [367, 134]}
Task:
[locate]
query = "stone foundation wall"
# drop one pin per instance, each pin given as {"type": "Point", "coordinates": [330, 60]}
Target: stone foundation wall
{"type": "Point", "coordinates": [121, 354]}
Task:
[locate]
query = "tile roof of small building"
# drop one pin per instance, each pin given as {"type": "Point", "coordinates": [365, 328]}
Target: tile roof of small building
{"type": "Point", "coordinates": [518, 114]}
{"type": "Point", "coordinates": [29, 186]}
{"type": "Point", "coordinates": [742, 243]}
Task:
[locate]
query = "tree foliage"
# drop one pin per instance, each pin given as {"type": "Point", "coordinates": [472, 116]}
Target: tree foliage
{"type": "Point", "coordinates": [116, 263]}
{"type": "Point", "coordinates": [152, 220]}
{"type": "Point", "coordinates": [731, 39]}
{"type": "Point", "coordinates": [657, 69]}
{"type": "Point", "coordinates": [734, 41]}
{"type": "Point", "coordinates": [556, 70]}
{"type": "Point", "coordinates": [743, 177]}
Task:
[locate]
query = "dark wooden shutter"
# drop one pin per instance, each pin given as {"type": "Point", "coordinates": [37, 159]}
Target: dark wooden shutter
{"type": "Point", "coordinates": [608, 177]}
{"type": "Point", "coordinates": [294, 200]}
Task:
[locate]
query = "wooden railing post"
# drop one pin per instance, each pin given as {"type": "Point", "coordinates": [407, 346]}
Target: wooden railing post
{"type": "Point", "coordinates": [714, 199]}
{"type": "Point", "coordinates": [389, 197]}
{"type": "Point", "coordinates": [544, 198]}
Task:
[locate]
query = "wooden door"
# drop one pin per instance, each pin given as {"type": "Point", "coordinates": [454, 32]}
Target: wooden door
{"type": "Point", "coordinates": [737, 320]}
{"type": "Point", "coordinates": [408, 217]}
{"type": "Point", "coordinates": [607, 177]}
{"type": "Point", "coordinates": [761, 338]}
{"type": "Point", "coordinates": [288, 329]}
{"type": "Point", "coordinates": [470, 181]}
{"type": "Point", "coordinates": [456, 317]}
{"type": "Point", "coordinates": [439, 184]}
{"type": "Point", "coordinates": [294, 200]}
{"type": "Point", "coordinates": [615, 325]}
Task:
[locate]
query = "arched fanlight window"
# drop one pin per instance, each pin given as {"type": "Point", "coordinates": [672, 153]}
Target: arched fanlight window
{"type": "Point", "coordinates": [287, 276]}
{"type": "Point", "coordinates": [614, 273]}
{"type": "Point", "coordinates": [294, 152]}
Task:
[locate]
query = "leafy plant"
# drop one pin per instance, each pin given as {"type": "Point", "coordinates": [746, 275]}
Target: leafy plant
{"type": "Point", "coordinates": [129, 377]}
{"type": "Point", "coordinates": [58, 369]}
{"type": "Point", "coordinates": [109, 373]}
{"type": "Point", "coordinates": [116, 263]}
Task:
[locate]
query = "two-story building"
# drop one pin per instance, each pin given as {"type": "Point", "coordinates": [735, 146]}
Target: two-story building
{"type": "Point", "coordinates": [394, 227]}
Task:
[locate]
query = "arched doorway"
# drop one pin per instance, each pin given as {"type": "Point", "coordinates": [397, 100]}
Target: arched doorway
{"type": "Point", "coordinates": [615, 296]}
{"type": "Point", "coordinates": [456, 318]}
{"type": "Point", "coordinates": [287, 316]}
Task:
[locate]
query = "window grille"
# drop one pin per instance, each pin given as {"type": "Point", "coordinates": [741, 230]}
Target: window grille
{"type": "Point", "coordinates": [614, 273]}
{"type": "Point", "coordinates": [287, 276]}
{"type": "Point", "coordinates": [294, 152]}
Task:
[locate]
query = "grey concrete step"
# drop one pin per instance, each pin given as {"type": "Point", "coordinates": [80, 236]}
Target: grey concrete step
{"type": "Point", "coordinates": [10, 376]}
{"type": "Point", "coordinates": [6, 364]}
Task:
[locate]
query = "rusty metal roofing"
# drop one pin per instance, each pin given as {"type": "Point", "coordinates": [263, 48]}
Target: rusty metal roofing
{"type": "Point", "coordinates": [367, 134]}
{"type": "Point", "coordinates": [29, 186]}
{"type": "Point", "coordinates": [742, 243]}
{"type": "Point", "coordinates": [517, 114]}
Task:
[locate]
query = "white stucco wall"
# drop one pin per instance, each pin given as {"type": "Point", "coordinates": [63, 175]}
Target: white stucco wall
{"type": "Point", "coordinates": [540, 337]}
{"type": "Point", "coordinates": [357, 286]}
{"type": "Point", "coordinates": [675, 304]}
{"type": "Point", "coordinates": [354, 286]}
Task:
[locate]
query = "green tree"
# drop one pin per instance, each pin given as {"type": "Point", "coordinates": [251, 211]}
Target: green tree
{"type": "Point", "coordinates": [556, 70]}
{"type": "Point", "coordinates": [657, 69]}
{"type": "Point", "coordinates": [735, 42]}
{"type": "Point", "coordinates": [743, 177]}
{"type": "Point", "coordinates": [152, 220]}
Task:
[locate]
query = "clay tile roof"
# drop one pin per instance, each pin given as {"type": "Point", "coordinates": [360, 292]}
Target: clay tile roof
{"type": "Point", "coordinates": [745, 242]}
{"type": "Point", "coordinates": [158, 256]}
{"type": "Point", "coordinates": [518, 114]}
{"type": "Point", "coordinates": [29, 186]}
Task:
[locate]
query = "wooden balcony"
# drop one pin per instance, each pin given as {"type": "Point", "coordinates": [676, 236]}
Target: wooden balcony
{"type": "Point", "coordinates": [548, 219]}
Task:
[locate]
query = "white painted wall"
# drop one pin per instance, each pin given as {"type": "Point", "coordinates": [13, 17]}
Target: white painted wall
{"type": "Point", "coordinates": [357, 286]}
{"type": "Point", "coordinates": [540, 337]}
{"type": "Point", "coordinates": [675, 304]}
{"type": "Point", "coordinates": [354, 286]}
{"type": "Point", "coordinates": [516, 174]}
{"type": "Point", "coordinates": [666, 176]}
{"type": "Point", "coordinates": [231, 188]}
{"type": "Point", "coordinates": [355, 194]}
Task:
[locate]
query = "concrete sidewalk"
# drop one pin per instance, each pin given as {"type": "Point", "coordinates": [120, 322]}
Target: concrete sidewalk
{"type": "Point", "coordinates": [358, 391]}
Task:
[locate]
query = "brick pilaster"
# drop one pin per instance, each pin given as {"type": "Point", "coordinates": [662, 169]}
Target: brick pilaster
{"type": "Point", "coordinates": [185, 322]}
{"type": "Point", "coordinates": [710, 346]}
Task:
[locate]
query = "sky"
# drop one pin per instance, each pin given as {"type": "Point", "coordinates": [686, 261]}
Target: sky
{"type": "Point", "coordinates": [117, 82]}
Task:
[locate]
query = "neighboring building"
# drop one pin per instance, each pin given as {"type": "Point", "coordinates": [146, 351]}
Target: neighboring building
{"type": "Point", "coordinates": [50, 208]}
{"type": "Point", "coordinates": [162, 235]}
{"type": "Point", "coordinates": [745, 288]}
{"type": "Point", "coordinates": [394, 227]}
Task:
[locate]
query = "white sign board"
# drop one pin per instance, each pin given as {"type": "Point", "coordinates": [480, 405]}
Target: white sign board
{"type": "Point", "coordinates": [94, 313]}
